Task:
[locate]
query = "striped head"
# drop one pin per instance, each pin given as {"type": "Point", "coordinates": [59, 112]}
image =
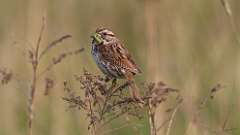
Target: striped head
{"type": "Point", "coordinates": [103, 35]}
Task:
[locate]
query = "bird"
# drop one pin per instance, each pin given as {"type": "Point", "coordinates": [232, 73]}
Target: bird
{"type": "Point", "coordinates": [114, 60]}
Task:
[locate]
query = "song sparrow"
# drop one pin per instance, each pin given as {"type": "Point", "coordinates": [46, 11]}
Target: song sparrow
{"type": "Point", "coordinates": [113, 58]}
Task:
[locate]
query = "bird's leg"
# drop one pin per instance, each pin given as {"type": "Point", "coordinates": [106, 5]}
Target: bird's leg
{"type": "Point", "coordinates": [135, 91]}
{"type": "Point", "coordinates": [113, 85]}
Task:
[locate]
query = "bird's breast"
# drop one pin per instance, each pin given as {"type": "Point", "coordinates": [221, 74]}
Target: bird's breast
{"type": "Point", "coordinates": [97, 57]}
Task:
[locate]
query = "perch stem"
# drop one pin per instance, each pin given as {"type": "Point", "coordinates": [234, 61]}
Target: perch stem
{"type": "Point", "coordinates": [151, 113]}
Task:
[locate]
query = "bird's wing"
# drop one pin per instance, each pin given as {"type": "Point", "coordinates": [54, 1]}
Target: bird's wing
{"type": "Point", "coordinates": [120, 58]}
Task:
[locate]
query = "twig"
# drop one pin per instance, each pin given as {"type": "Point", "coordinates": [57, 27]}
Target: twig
{"type": "Point", "coordinates": [163, 124]}
{"type": "Point", "coordinates": [227, 9]}
{"type": "Point", "coordinates": [54, 43]}
{"type": "Point", "coordinates": [75, 101]}
{"type": "Point", "coordinates": [171, 120]}
{"type": "Point", "coordinates": [151, 115]}
{"type": "Point", "coordinates": [35, 62]}
{"type": "Point", "coordinates": [109, 103]}
{"type": "Point", "coordinates": [225, 122]}
{"type": "Point", "coordinates": [59, 58]}
{"type": "Point", "coordinates": [114, 117]}
{"type": "Point", "coordinates": [204, 101]}
{"type": "Point", "coordinates": [92, 116]}
{"type": "Point", "coordinates": [110, 95]}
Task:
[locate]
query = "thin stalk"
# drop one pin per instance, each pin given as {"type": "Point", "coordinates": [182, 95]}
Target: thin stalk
{"type": "Point", "coordinates": [171, 120]}
{"type": "Point", "coordinates": [35, 62]}
{"type": "Point", "coordinates": [151, 115]}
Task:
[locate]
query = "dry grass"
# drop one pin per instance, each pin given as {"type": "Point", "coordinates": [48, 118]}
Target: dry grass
{"type": "Point", "coordinates": [103, 101]}
{"type": "Point", "coordinates": [35, 56]}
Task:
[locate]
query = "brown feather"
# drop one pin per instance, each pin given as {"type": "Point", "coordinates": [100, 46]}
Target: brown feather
{"type": "Point", "coordinates": [114, 56]}
{"type": "Point", "coordinates": [115, 61]}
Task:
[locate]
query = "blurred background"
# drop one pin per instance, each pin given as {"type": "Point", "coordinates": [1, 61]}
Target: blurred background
{"type": "Point", "coordinates": [188, 44]}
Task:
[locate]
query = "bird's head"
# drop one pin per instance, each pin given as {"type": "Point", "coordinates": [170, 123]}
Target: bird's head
{"type": "Point", "coordinates": [103, 35]}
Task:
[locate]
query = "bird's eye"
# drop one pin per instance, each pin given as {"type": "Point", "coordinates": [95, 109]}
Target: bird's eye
{"type": "Point", "coordinates": [104, 34]}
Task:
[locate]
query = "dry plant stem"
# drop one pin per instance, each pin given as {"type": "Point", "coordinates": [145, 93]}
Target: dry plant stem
{"type": "Point", "coordinates": [111, 119]}
{"type": "Point", "coordinates": [60, 58]}
{"type": "Point", "coordinates": [93, 130]}
{"type": "Point", "coordinates": [151, 113]}
{"type": "Point", "coordinates": [104, 102]}
{"type": "Point", "coordinates": [31, 100]}
{"type": "Point", "coordinates": [227, 9]}
{"type": "Point", "coordinates": [53, 44]}
{"type": "Point", "coordinates": [203, 103]}
{"type": "Point", "coordinates": [171, 120]}
{"type": "Point", "coordinates": [227, 119]}
{"type": "Point", "coordinates": [35, 62]}
{"type": "Point", "coordinates": [163, 124]}
{"type": "Point", "coordinates": [107, 99]}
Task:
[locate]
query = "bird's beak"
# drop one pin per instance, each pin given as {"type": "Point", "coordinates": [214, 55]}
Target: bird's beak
{"type": "Point", "coordinates": [94, 35]}
{"type": "Point", "coordinates": [97, 38]}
